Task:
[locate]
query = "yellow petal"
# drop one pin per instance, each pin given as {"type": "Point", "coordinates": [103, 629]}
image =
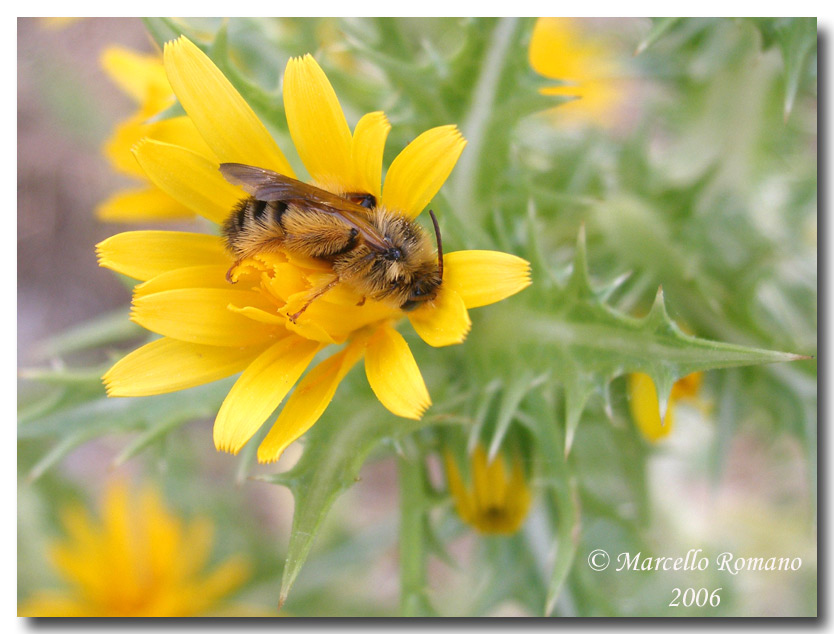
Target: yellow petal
{"type": "Point", "coordinates": [497, 479]}
{"type": "Point", "coordinates": [688, 386]}
{"type": "Point", "coordinates": [480, 480]}
{"type": "Point", "coordinates": [142, 205]}
{"type": "Point", "coordinates": [645, 409]}
{"type": "Point", "coordinates": [263, 316]}
{"type": "Point", "coordinates": [560, 48]}
{"type": "Point", "coordinates": [135, 73]}
{"type": "Point", "coordinates": [462, 498]}
{"type": "Point", "coordinates": [54, 604]}
{"type": "Point", "coordinates": [443, 322]}
{"type": "Point", "coordinates": [338, 320]}
{"type": "Point", "coordinates": [176, 131]}
{"type": "Point", "coordinates": [207, 276]}
{"type": "Point", "coordinates": [308, 401]}
{"type": "Point", "coordinates": [224, 119]}
{"type": "Point", "coordinates": [518, 493]}
{"type": "Point", "coordinates": [260, 389]}
{"type": "Point", "coordinates": [367, 150]}
{"type": "Point", "coordinates": [200, 315]}
{"type": "Point", "coordinates": [118, 147]}
{"type": "Point", "coordinates": [192, 179]}
{"type": "Point", "coordinates": [145, 254]}
{"type": "Point", "coordinates": [317, 124]}
{"type": "Point", "coordinates": [394, 376]}
{"type": "Point", "coordinates": [420, 170]}
{"type": "Point", "coordinates": [484, 277]}
{"type": "Point", "coordinates": [168, 365]}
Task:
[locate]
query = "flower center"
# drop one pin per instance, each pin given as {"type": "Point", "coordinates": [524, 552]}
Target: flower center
{"type": "Point", "coordinates": [286, 283]}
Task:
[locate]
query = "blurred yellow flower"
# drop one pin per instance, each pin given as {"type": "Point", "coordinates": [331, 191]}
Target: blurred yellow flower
{"type": "Point", "coordinates": [643, 402]}
{"type": "Point", "coordinates": [142, 77]}
{"type": "Point", "coordinates": [497, 502]}
{"type": "Point", "coordinates": [57, 23]}
{"type": "Point", "coordinates": [212, 329]}
{"type": "Point", "coordinates": [564, 49]}
{"type": "Point", "coordinates": [138, 560]}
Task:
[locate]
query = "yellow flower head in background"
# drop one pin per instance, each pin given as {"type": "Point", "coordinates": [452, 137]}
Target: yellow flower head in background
{"type": "Point", "coordinates": [212, 329]}
{"type": "Point", "coordinates": [645, 409]}
{"type": "Point", "coordinates": [497, 502]}
{"type": "Point", "coordinates": [564, 49]}
{"type": "Point", "coordinates": [142, 78]}
{"type": "Point", "coordinates": [138, 560]}
{"type": "Point", "coordinates": [57, 23]}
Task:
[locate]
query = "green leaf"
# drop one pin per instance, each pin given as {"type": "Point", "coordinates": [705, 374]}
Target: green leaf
{"type": "Point", "coordinates": [588, 343]}
{"type": "Point", "coordinates": [659, 28]}
{"type": "Point", "coordinates": [171, 112]}
{"type": "Point", "coordinates": [798, 40]}
{"type": "Point", "coordinates": [120, 414]}
{"type": "Point", "coordinates": [268, 104]}
{"type": "Point", "coordinates": [164, 30]}
{"type": "Point", "coordinates": [59, 451]}
{"type": "Point", "coordinates": [334, 452]}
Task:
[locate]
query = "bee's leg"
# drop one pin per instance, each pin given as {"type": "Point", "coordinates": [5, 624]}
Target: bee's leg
{"type": "Point", "coordinates": [318, 293]}
{"type": "Point", "coordinates": [361, 302]}
{"type": "Point", "coordinates": [232, 268]}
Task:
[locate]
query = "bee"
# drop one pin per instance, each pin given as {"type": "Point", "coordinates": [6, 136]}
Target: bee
{"type": "Point", "coordinates": [377, 252]}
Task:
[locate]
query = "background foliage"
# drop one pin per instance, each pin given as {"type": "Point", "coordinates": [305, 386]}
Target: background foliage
{"type": "Point", "coordinates": [703, 180]}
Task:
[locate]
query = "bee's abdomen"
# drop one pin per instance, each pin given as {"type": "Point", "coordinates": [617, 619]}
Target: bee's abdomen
{"type": "Point", "coordinates": [254, 225]}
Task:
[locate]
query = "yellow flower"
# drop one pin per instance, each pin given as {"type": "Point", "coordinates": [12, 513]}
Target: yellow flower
{"type": "Point", "coordinates": [644, 405]}
{"type": "Point", "coordinates": [142, 77]}
{"type": "Point", "coordinates": [212, 329]}
{"type": "Point", "coordinates": [498, 502]}
{"type": "Point", "coordinates": [138, 560]}
{"type": "Point", "coordinates": [57, 23]}
{"type": "Point", "coordinates": [563, 49]}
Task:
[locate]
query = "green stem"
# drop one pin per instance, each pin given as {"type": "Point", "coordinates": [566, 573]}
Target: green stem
{"type": "Point", "coordinates": [413, 600]}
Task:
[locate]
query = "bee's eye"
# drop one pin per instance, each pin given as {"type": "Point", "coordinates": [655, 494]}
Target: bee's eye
{"type": "Point", "coordinates": [393, 254]}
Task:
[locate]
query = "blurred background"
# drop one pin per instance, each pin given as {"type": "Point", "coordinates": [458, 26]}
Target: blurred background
{"type": "Point", "coordinates": [690, 165]}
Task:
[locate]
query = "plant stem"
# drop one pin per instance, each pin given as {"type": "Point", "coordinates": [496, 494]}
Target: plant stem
{"type": "Point", "coordinates": [412, 542]}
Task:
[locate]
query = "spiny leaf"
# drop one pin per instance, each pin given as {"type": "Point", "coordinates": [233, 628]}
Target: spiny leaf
{"type": "Point", "coordinates": [659, 27]}
{"type": "Point", "coordinates": [106, 329]}
{"type": "Point", "coordinates": [58, 452]}
{"type": "Point", "coordinates": [333, 455]}
{"type": "Point", "coordinates": [120, 414]}
{"type": "Point", "coordinates": [145, 439]}
{"type": "Point", "coordinates": [589, 343]}
{"type": "Point", "coordinates": [266, 103]}
{"type": "Point", "coordinates": [797, 40]}
{"type": "Point", "coordinates": [72, 377]}
{"type": "Point", "coordinates": [164, 30]}
{"type": "Point", "coordinates": [511, 398]}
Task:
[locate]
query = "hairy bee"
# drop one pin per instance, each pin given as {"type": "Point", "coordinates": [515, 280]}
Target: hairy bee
{"type": "Point", "coordinates": [380, 254]}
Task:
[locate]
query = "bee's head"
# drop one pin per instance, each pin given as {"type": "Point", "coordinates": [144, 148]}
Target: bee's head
{"type": "Point", "coordinates": [423, 288]}
{"type": "Point", "coordinates": [427, 280]}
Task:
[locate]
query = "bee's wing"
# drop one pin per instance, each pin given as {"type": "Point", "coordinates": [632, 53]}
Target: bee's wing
{"type": "Point", "coordinates": [268, 186]}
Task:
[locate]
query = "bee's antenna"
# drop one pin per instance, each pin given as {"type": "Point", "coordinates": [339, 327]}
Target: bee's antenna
{"type": "Point", "coordinates": [439, 244]}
